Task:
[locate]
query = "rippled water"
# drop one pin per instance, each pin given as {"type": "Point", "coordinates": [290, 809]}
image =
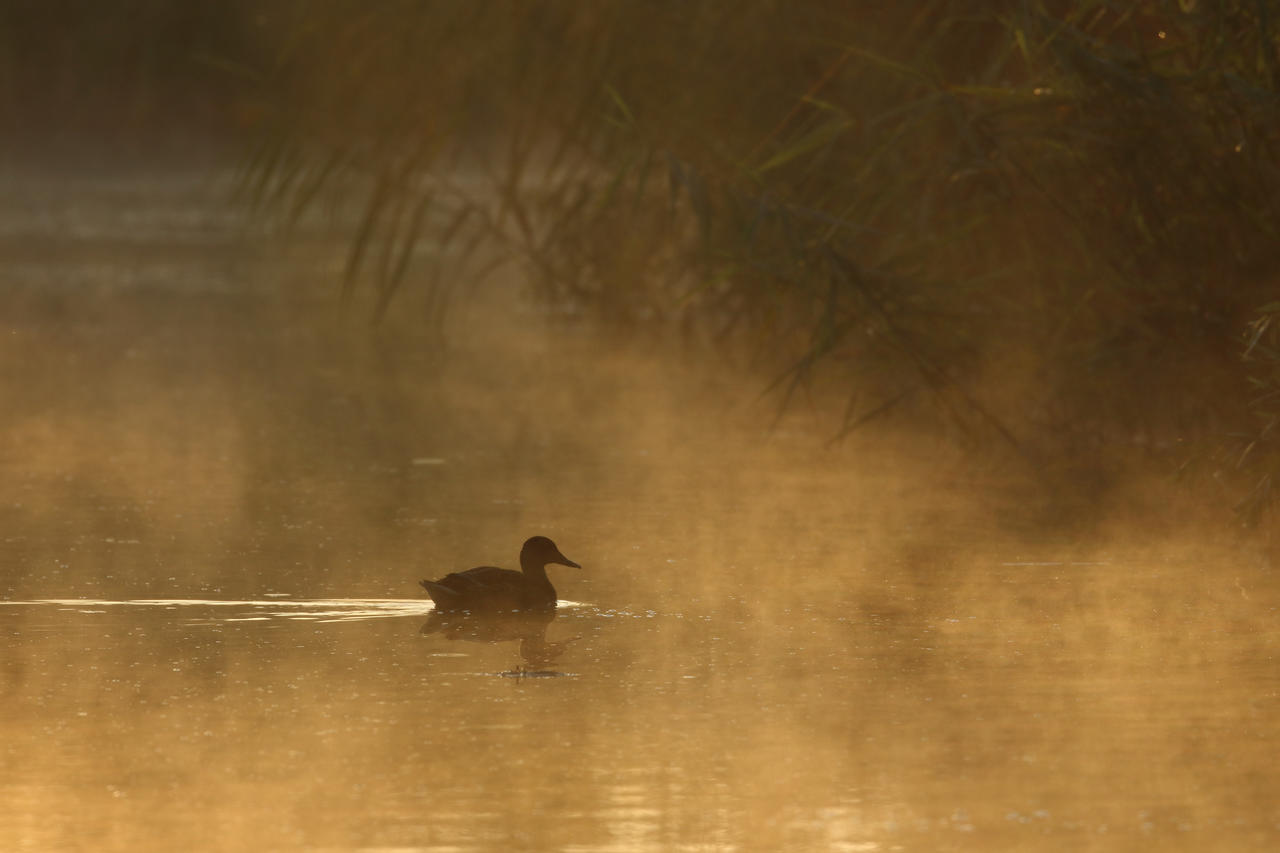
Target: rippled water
{"type": "Point", "coordinates": [220, 496]}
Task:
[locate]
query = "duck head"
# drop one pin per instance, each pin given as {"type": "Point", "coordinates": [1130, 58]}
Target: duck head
{"type": "Point", "coordinates": [539, 551]}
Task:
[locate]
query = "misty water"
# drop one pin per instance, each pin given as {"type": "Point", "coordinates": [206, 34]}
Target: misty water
{"type": "Point", "coordinates": [221, 487]}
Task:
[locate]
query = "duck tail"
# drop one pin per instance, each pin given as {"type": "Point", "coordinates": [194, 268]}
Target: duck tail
{"type": "Point", "coordinates": [441, 595]}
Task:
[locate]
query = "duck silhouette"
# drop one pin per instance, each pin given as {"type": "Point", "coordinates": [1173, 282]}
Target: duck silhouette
{"type": "Point", "coordinates": [491, 589]}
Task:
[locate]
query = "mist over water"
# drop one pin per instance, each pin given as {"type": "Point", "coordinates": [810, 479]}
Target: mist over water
{"type": "Point", "coordinates": [223, 486]}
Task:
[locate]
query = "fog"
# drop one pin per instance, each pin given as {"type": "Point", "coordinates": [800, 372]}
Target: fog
{"type": "Point", "coordinates": [775, 641]}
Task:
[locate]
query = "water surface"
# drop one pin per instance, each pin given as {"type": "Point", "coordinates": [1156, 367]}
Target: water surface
{"type": "Point", "coordinates": [222, 489]}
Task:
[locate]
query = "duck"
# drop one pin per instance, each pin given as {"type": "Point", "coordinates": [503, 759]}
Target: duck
{"type": "Point", "coordinates": [491, 589]}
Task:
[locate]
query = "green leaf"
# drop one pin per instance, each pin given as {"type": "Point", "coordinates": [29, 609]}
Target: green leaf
{"type": "Point", "coordinates": [820, 137]}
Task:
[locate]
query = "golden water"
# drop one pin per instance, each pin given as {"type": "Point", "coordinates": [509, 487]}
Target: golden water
{"type": "Point", "coordinates": [220, 495]}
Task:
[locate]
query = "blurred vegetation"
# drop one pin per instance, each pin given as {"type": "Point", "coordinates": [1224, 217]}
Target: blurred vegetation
{"type": "Point", "coordinates": [1052, 225]}
{"type": "Point", "coordinates": [1259, 449]}
{"type": "Point", "coordinates": [127, 67]}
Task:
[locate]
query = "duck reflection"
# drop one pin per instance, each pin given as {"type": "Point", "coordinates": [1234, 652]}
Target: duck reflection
{"type": "Point", "coordinates": [529, 627]}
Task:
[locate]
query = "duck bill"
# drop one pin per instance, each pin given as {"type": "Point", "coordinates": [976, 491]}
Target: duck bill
{"type": "Point", "coordinates": [565, 561]}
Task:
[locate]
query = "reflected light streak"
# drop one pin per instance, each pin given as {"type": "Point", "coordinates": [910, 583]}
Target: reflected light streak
{"type": "Point", "coordinates": [316, 610]}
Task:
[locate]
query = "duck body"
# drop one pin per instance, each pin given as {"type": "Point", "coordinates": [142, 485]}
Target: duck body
{"type": "Point", "coordinates": [491, 589]}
